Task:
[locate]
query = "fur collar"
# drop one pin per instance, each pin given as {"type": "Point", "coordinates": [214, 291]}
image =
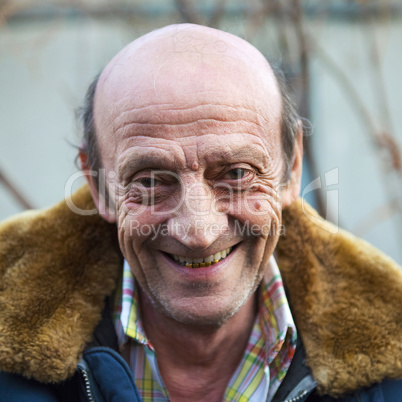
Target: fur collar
{"type": "Point", "coordinates": [56, 268]}
{"type": "Point", "coordinates": [346, 299]}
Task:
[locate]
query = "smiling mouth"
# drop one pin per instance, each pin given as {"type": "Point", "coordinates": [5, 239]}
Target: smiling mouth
{"type": "Point", "coordinates": [201, 262]}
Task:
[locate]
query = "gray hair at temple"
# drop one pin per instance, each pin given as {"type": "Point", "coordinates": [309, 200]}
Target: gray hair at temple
{"type": "Point", "coordinates": [289, 126]}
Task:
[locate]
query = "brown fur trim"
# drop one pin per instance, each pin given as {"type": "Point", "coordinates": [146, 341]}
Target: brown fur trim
{"type": "Point", "coordinates": [346, 299]}
{"type": "Point", "coordinates": [56, 267]}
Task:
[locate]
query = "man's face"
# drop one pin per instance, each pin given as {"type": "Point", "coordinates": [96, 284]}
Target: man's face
{"type": "Point", "coordinates": [192, 152]}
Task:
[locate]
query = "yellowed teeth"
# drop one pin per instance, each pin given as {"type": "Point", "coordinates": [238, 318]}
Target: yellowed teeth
{"type": "Point", "coordinates": [202, 262]}
{"type": "Point", "coordinates": [201, 265]}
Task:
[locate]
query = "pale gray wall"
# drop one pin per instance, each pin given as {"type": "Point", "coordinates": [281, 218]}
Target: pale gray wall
{"type": "Point", "coordinates": [340, 138]}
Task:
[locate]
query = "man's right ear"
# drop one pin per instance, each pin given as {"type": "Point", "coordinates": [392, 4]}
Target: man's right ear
{"type": "Point", "coordinates": [102, 202]}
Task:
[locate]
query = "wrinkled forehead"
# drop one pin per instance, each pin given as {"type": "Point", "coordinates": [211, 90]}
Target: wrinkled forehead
{"type": "Point", "coordinates": [186, 66]}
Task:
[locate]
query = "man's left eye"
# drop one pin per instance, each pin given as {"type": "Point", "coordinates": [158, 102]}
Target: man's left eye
{"type": "Point", "coordinates": [236, 174]}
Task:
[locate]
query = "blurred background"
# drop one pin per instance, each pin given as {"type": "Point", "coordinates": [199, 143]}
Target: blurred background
{"type": "Point", "coordinates": [342, 58]}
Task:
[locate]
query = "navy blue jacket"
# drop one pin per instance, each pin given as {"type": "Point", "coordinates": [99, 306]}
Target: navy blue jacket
{"type": "Point", "coordinates": [103, 376]}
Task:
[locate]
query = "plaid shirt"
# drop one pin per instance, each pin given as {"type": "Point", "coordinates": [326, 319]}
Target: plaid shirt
{"type": "Point", "coordinates": [267, 357]}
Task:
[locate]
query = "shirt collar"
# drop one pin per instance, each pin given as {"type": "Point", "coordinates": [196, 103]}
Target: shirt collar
{"type": "Point", "coordinates": [274, 315]}
{"type": "Point", "coordinates": [130, 316]}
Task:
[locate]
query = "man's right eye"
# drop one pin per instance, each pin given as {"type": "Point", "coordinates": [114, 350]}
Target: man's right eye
{"type": "Point", "coordinates": [148, 182]}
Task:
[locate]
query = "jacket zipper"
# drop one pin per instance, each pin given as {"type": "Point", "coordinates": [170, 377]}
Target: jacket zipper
{"type": "Point", "coordinates": [88, 389]}
{"type": "Point", "coordinates": [301, 395]}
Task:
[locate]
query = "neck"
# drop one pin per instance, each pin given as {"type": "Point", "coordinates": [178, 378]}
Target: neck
{"type": "Point", "coordinates": [197, 360]}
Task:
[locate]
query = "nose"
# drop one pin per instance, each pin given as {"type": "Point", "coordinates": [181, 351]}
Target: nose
{"type": "Point", "coordinates": [196, 223]}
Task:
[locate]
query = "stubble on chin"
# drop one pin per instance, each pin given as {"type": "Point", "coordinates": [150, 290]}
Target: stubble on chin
{"type": "Point", "coordinates": [200, 318]}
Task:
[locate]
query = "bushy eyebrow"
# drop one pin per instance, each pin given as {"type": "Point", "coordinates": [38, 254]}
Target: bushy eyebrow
{"type": "Point", "coordinates": [135, 160]}
{"type": "Point", "coordinates": [252, 153]}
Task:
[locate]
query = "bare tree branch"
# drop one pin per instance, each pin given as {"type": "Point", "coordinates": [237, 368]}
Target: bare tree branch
{"type": "Point", "coordinates": [258, 17]}
{"type": "Point", "coordinates": [187, 11]}
{"type": "Point", "coordinates": [296, 14]}
{"type": "Point", "coordinates": [377, 216]}
{"type": "Point", "coordinates": [12, 189]}
{"type": "Point", "coordinates": [385, 139]}
{"type": "Point", "coordinates": [217, 14]}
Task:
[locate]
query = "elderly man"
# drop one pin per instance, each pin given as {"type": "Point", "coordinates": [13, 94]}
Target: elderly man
{"type": "Point", "coordinates": [192, 149]}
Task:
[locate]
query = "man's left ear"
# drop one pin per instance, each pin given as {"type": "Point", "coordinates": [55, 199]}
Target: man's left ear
{"type": "Point", "coordinates": [291, 191]}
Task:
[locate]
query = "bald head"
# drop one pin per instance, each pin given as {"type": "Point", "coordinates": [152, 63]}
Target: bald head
{"type": "Point", "coordinates": [185, 66]}
{"type": "Point", "coordinates": [183, 60]}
